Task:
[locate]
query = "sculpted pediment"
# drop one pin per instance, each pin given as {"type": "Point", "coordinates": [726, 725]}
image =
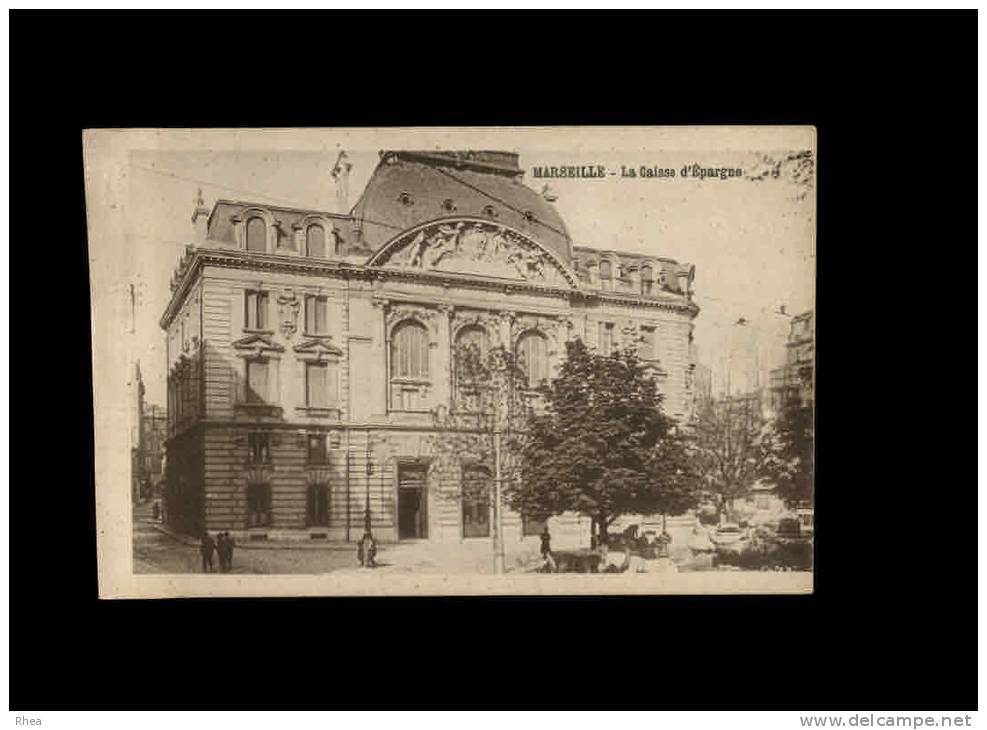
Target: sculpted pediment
{"type": "Point", "coordinates": [474, 246]}
{"type": "Point", "coordinates": [318, 347]}
{"type": "Point", "coordinates": [258, 342]}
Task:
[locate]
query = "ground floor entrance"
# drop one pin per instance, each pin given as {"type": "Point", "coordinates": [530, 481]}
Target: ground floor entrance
{"type": "Point", "coordinates": [412, 502]}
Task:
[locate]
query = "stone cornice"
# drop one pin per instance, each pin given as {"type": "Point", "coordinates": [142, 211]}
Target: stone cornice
{"type": "Point", "coordinates": [279, 263]}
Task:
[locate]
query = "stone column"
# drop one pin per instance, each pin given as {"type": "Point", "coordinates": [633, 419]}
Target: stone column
{"type": "Point", "coordinates": [382, 350]}
{"type": "Point", "coordinates": [445, 356]}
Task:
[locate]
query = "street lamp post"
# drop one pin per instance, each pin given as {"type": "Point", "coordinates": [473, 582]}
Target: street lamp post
{"type": "Point", "coordinates": [370, 471]}
{"type": "Point", "coordinates": [499, 540]}
{"type": "Point", "coordinates": [368, 546]}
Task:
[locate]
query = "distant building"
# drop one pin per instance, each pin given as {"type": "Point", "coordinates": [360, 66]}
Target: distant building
{"type": "Point", "coordinates": [796, 378]}
{"type": "Point", "coordinates": [308, 352]}
{"type": "Point", "coordinates": [702, 385]}
{"type": "Point", "coordinates": [147, 443]}
{"type": "Point", "coordinates": [154, 431]}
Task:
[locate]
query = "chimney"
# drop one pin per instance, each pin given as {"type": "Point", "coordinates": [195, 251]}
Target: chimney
{"type": "Point", "coordinates": [200, 218]}
{"type": "Point", "coordinates": [341, 174]}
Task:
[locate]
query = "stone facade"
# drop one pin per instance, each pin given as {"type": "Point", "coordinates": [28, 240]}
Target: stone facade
{"type": "Point", "coordinates": [308, 353]}
{"type": "Point", "coordinates": [795, 380]}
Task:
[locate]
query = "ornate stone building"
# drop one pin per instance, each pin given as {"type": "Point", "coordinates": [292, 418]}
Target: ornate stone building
{"type": "Point", "coordinates": [309, 352]}
{"type": "Point", "coordinates": [794, 381]}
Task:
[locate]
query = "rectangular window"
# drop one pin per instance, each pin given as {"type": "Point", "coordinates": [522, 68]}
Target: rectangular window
{"type": "Point", "coordinates": [647, 343]}
{"type": "Point", "coordinates": [258, 505]}
{"type": "Point", "coordinates": [317, 505]}
{"type": "Point", "coordinates": [606, 338]}
{"type": "Point", "coordinates": [317, 449]}
{"type": "Point", "coordinates": [320, 391]}
{"type": "Point", "coordinates": [476, 501]}
{"type": "Point", "coordinates": [255, 310]}
{"type": "Point", "coordinates": [316, 315]}
{"type": "Point", "coordinates": [259, 446]}
{"type": "Point", "coordinates": [532, 526]}
{"type": "Point", "coordinates": [476, 518]}
{"type": "Point", "coordinates": [257, 381]}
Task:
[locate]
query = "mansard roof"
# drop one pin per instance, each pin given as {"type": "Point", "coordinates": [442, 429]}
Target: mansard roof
{"type": "Point", "coordinates": [409, 188]}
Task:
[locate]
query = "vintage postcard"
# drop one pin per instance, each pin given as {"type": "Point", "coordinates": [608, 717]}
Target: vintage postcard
{"type": "Point", "coordinates": [453, 361]}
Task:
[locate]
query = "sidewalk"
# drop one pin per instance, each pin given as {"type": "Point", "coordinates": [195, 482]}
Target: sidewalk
{"type": "Point", "coordinates": [471, 557]}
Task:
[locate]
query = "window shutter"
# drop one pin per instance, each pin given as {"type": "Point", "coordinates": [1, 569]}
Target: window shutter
{"type": "Point", "coordinates": [648, 347]}
{"type": "Point", "coordinates": [239, 384]}
{"type": "Point", "coordinates": [262, 310]}
{"type": "Point", "coordinates": [321, 307]}
{"type": "Point", "coordinates": [318, 387]}
{"type": "Point", "coordinates": [249, 310]}
{"type": "Point", "coordinates": [257, 380]}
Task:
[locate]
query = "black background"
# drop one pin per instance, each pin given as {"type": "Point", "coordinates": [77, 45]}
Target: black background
{"type": "Point", "coordinates": [892, 624]}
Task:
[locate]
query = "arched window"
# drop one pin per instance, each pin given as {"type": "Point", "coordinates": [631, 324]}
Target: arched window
{"type": "Point", "coordinates": [476, 501]}
{"type": "Point", "coordinates": [647, 279]}
{"type": "Point", "coordinates": [471, 349]}
{"type": "Point", "coordinates": [315, 241]}
{"type": "Point", "coordinates": [532, 351]}
{"type": "Point", "coordinates": [409, 351]}
{"type": "Point", "coordinates": [606, 274]}
{"type": "Point", "coordinates": [256, 234]}
{"type": "Point", "coordinates": [469, 358]}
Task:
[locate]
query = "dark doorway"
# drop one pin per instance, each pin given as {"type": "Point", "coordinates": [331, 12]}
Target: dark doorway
{"type": "Point", "coordinates": [412, 503]}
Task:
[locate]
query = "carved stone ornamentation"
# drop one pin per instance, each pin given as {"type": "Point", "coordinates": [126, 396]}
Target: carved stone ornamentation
{"type": "Point", "coordinates": [288, 305]}
{"type": "Point", "coordinates": [399, 312]}
{"type": "Point", "coordinates": [487, 321]}
{"type": "Point", "coordinates": [545, 325]}
{"type": "Point", "coordinates": [476, 247]}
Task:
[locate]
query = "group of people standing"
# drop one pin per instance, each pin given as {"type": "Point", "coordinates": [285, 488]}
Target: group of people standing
{"type": "Point", "coordinates": [223, 546]}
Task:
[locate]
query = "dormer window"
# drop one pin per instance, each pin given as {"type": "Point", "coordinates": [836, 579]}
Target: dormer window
{"type": "Point", "coordinates": [256, 234]}
{"type": "Point", "coordinates": [529, 216]}
{"type": "Point", "coordinates": [315, 241]}
{"type": "Point", "coordinates": [405, 199]}
{"type": "Point", "coordinates": [448, 206]}
{"type": "Point", "coordinates": [606, 273]}
{"type": "Point", "coordinates": [489, 211]}
{"type": "Point", "coordinates": [647, 279]}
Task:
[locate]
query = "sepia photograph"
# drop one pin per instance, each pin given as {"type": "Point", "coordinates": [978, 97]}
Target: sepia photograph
{"type": "Point", "coordinates": [453, 361]}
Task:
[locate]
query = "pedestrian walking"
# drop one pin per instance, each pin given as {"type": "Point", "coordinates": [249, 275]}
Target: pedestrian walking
{"type": "Point", "coordinates": [221, 551]}
{"type": "Point", "coordinates": [367, 551]}
{"type": "Point", "coordinates": [546, 550]}
{"type": "Point", "coordinates": [207, 547]}
{"type": "Point", "coordinates": [230, 544]}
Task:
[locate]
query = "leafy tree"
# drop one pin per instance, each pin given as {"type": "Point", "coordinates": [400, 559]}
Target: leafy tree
{"type": "Point", "coordinates": [729, 448]}
{"type": "Point", "coordinates": [489, 397]}
{"type": "Point", "coordinates": [601, 446]}
{"type": "Point", "coordinates": [790, 458]}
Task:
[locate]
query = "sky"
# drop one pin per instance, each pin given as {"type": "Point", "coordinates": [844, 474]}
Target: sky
{"type": "Point", "coordinates": [752, 242]}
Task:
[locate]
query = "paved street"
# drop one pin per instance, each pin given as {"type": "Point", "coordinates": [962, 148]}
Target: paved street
{"type": "Point", "coordinates": [157, 552]}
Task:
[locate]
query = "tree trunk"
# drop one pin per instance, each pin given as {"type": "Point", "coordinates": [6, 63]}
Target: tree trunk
{"type": "Point", "coordinates": [604, 537]}
{"type": "Point", "coordinates": [592, 533]}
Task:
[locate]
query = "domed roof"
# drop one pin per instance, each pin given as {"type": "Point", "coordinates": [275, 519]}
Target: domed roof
{"type": "Point", "coordinates": [412, 187]}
